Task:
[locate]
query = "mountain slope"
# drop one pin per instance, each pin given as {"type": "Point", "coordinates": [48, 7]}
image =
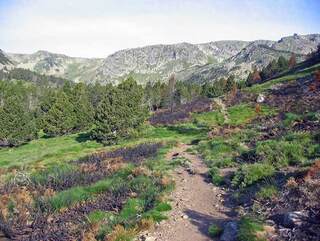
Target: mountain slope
{"type": "Point", "coordinates": [4, 60]}
{"type": "Point", "coordinates": [191, 62]}
{"type": "Point", "coordinates": [59, 65]}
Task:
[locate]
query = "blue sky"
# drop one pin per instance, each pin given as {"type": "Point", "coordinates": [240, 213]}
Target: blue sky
{"type": "Point", "coordinates": [97, 28]}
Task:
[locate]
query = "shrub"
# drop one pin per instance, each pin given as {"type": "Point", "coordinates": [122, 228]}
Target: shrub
{"type": "Point", "coordinates": [248, 227]}
{"type": "Point", "coordinates": [214, 231]}
{"type": "Point", "coordinates": [267, 192]}
{"type": "Point", "coordinates": [215, 176]}
{"type": "Point", "coordinates": [293, 149]}
{"type": "Point", "coordinates": [122, 234]}
{"type": "Point", "coordinates": [251, 173]}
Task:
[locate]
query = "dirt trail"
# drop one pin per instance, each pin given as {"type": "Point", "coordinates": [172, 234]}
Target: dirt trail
{"type": "Point", "coordinates": [196, 203]}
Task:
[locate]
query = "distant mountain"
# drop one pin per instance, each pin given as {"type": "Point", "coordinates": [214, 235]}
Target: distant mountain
{"type": "Point", "coordinates": [4, 60]}
{"type": "Point", "coordinates": [191, 62]}
{"type": "Point", "coordinates": [59, 65]}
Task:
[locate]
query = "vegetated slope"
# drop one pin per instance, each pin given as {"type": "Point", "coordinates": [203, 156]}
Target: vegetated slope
{"type": "Point", "coordinates": [59, 65]}
{"type": "Point", "coordinates": [192, 62]}
{"type": "Point", "coordinates": [258, 53]}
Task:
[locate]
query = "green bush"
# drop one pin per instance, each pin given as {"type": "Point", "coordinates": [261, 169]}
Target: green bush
{"type": "Point", "coordinates": [214, 231]}
{"type": "Point", "coordinates": [251, 173]}
{"type": "Point", "coordinates": [248, 227]}
{"type": "Point", "coordinates": [291, 150]}
{"type": "Point", "coordinates": [215, 176]}
{"type": "Point", "coordinates": [267, 192]}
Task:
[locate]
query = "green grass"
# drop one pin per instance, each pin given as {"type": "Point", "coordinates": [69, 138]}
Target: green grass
{"type": "Point", "coordinates": [244, 113]}
{"type": "Point", "coordinates": [237, 115]}
{"type": "Point", "coordinates": [214, 231]}
{"type": "Point", "coordinates": [212, 118]}
{"type": "Point", "coordinates": [267, 192]}
{"type": "Point", "coordinates": [249, 174]}
{"type": "Point", "coordinates": [292, 149]}
{"type": "Point", "coordinates": [260, 88]}
{"type": "Point", "coordinates": [248, 227]}
{"type": "Point", "coordinates": [216, 178]}
{"type": "Point", "coordinates": [76, 194]}
{"type": "Point", "coordinates": [46, 152]}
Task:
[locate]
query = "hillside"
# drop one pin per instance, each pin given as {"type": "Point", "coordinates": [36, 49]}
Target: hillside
{"type": "Point", "coordinates": [192, 62]}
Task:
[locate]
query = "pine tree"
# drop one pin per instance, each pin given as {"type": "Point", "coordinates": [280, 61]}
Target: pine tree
{"type": "Point", "coordinates": [283, 64]}
{"type": "Point", "coordinates": [17, 123]}
{"type": "Point", "coordinates": [60, 118]}
{"type": "Point", "coordinates": [83, 109]}
{"type": "Point", "coordinates": [119, 112]}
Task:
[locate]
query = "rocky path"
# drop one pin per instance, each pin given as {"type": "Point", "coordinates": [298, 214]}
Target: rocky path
{"type": "Point", "coordinates": [196, 203]}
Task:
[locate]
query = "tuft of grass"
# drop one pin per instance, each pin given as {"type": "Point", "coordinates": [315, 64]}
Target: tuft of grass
{"type": "Point", "coordinates": [121, 234]}
{"type": "Point", "coordinates": [214, 231]}
{"type": "Point", "coordinates": [216, 178]}
{"type": "Point", "coordinates": [249, 174]}
{"type": "Point", "coordinates": [248, 228]}
{"type": "Point", "coordinates": [267, 192]}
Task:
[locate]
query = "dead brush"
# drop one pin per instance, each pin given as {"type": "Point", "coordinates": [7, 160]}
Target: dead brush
{"type": "Point", "coordinates": [313, 172]}
{"type": "Point", "coordinates": [166, 181]}
{"type": "Point", "coordinates": [140, 170]}
{"type": "Point", "coordinates": [120, 233]}
{"type": "Point", "coordinates": [112, 165]}
{"type": "Point", "coordinates": [145, 224]}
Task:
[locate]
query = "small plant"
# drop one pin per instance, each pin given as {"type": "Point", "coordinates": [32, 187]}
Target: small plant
{"type": "Point", "coordinates": [251, 173]}
{"type": "Point", "coordinates": [215, 176]}
{"type": "Point", "coordinates": [248, 228]}
{"type": "Point", "coordinates": [214, 231]}
{"type": "Point", "coordinates": [267, 192]}
{"type": "Point", "coordinates": [121, 234]}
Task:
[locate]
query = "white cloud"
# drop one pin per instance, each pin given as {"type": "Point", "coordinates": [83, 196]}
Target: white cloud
{"type": "Point", "coordinates": [97, 28]}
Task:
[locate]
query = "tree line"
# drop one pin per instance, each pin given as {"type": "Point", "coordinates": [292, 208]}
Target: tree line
{"type": "Point", "coordinates": [58, 107]}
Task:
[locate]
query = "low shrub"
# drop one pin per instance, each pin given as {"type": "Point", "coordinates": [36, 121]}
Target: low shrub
{"type": "Point", "coordinates": [291, 150]}
{"type": "Point", "coordinates": [215, 176]}
{"type": "Point", "coordinates": [214, 231]}
{"type": "Point", "coordinates": [248, 227]}
{"type": "Point", "coordinates": [267, 192]}
{"type": "Point", "coordinates": [249, 174]}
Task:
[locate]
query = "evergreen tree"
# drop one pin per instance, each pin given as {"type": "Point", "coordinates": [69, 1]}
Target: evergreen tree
{"type": "Point", "coordinates": [60, 118]}
{"type": "Point", "coordinates": [283, 64]}
{"type": "Point", "coordinates": [119, 112]}
{"type": "Point", "coordinates": [17, 123]}
{"type": "Point", "coordinates": [83, 110]}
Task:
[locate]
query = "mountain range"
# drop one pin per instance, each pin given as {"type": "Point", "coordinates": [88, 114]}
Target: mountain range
{"type": "Point", "coordinates": [190, 62]}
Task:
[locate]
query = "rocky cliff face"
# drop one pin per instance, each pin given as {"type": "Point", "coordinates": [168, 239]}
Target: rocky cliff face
{"type": "Point", "coordinates": [191, 62]}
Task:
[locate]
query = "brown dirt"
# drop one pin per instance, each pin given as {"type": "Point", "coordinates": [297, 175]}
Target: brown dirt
{"type": "Point", "coordinates": [196, 203]}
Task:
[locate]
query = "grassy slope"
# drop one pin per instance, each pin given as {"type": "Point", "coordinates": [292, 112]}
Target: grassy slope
{"type": "Point", "coordinates": [48, 151]}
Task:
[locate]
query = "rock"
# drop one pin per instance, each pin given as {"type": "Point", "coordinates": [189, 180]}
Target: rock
{"type": "Point", "coordinates": [184, 216]}
{"type": "Point", "coordinates": [294, 219]}
{"type": "Point", "coordinates": [261, 98]}
{"type": "Point", "coordinates": [191, 171]}
{"type": "Point", "coordinates": [230, 231]}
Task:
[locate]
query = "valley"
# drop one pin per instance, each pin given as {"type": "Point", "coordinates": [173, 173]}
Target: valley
{"type": "Point", "coordinates": [240, 164]}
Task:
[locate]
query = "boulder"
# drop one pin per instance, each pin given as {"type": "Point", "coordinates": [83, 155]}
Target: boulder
{"type": "Point", "coordinates": [261, 98]}
{"type": "Point", "coordinates": [294, 219]}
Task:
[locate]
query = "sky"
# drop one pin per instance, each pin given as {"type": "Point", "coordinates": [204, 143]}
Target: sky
{"type": "Point", "coordinates": [97, 28]}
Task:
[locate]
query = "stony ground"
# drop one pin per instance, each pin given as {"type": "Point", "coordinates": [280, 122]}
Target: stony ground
{"type": "Point", "coordinates": [196, 203]}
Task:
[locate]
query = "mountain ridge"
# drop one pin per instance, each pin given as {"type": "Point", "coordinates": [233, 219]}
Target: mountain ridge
{"type": "Point", "coordinates": [191, 62]}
